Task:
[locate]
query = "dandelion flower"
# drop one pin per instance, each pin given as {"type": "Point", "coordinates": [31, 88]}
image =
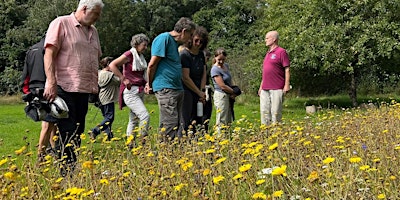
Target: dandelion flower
{"type": "Point", "coordinates": [126, 174]}
{"type": "Point", "coordinates": [206, 172]}
{"type": "Point", "coordinates": [220, 160]}
{"type": "Point", "coordinates": [245, 167]}
{"type": "Point", "coordinates": [180, 186]}
{"type": "Point", "coordinates": [328, 160]}
{"type": "Point", "coordinates": [259, 195]}
{"type": "Point", "coordinates": [87, 165]}
{"type": "Point", "coordinates": [218, 179]}
{"type": "Point", "coordinates": [9, 175]}
{"type": "Point", "coordinates": [20, 151]}
{"type": "Point", "coordinates": [364, 167]}
{"type": "Point", "coordinates": [273, 146]}
{"type": "Point", "coordinates": [259, 182]}
{"type": "Point", "coordinates": [104, 181]}
{"type": "Point", "coordinates": [186, 166]}
{"type": "Point", "coordinates": [2, 162]}
{"type": "Point", "coordinates": [355, 159]}
{"type": "Point", "coordinates": [313, 176]}
{"type": "Point", "coordinates": [279, 171]}
{"type": "Point", "coordinates": [237, 176]}
{"type": "Point", "coordinates": [208, 151]}
{"type": "Point", "coordinates": [75, 191]}
{"type": "Point", "coordinates": [381, 196]}
{"type": "Point", "coordinates": [278, 193]}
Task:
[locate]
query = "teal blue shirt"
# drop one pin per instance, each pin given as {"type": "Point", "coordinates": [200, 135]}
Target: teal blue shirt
{"type": "Point", "coordinates": [169, 70]}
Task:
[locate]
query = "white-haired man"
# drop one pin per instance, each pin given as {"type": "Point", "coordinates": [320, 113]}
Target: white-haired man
{"type": "Point", "coordinates": [71, 62]}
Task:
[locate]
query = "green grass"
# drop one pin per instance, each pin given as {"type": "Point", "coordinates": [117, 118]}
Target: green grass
{"type": "Point", "coordinates": [16, 129]}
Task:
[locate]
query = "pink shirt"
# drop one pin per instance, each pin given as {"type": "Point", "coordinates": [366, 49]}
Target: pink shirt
{"type": "Point", "coordinates": [273, 75]}
{"type": "Point", "coordinates": [77, 61]}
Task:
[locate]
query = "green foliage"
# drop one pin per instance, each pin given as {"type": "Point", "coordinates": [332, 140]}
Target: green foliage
{"type": "Point", "coordinates": [9, 81]}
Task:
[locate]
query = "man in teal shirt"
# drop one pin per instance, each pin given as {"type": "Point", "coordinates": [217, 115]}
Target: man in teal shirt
{"type": "Point", "coordinates": [165, 76]}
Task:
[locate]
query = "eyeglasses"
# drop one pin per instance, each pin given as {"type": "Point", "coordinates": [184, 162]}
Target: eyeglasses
{"type": "Point", "coordinates": [198, 41]}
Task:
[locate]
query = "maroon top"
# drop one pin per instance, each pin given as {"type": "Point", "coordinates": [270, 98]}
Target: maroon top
{"type": "Point", "coordinates": [135, 77]}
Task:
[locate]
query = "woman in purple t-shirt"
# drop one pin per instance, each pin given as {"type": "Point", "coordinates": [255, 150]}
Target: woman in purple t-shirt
{"type": "Point", "coordinates": [133, 83]}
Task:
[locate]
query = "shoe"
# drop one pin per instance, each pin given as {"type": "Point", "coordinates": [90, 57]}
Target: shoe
{"type": "Point", "coordinates": [94, 132]}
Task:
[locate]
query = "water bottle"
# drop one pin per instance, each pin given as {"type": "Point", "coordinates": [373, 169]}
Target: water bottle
{"type": "Point", "coordinates": [199, 109]}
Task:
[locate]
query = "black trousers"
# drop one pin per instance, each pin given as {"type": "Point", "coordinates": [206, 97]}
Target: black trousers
{"type": "Point", "coordinates": [72, 127]}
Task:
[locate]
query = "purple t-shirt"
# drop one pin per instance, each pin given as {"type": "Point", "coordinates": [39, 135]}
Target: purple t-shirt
{"type": "Point", "coordinates": [273, 75]}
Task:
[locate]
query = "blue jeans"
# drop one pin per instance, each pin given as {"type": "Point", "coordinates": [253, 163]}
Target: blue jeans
{"type": "Point", "coordinates": [108, 112]}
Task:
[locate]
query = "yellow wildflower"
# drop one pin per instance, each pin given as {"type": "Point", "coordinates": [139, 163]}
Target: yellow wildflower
{"type": "Point", "coordinates": [364, 167]}
{"type": "Point", "coordinates": [237, 176]}
{"type": "Point", "coordinates": [355, 159]}
{"type": "Point", "coordinates": [2, 162]}
{"type": "Point", "coordinates": [104, 181]}
{"type": "Point", "coordinates": [279, 171]}
{"type": "Point", "coordinates": [180, 186]}
{"type": "Point", "coordinates": [87, 165]}
{"type": "Point", "coordinates": [273, 146]}
{"type": "Point", "coordinates": [206, 172]}
{"type": "Point", "coordinates": [9, 175]}
{"type": "Point", "coordinates": [218, 179]}
{"type": "Point", "coordinates": [186, 166]}
{"type": "Point", "coordinates": [224, 142]}
{"type": "Point", "coordinates": [126, 174]}
{"type": "Point", "coordinates": [220, 160]}
{"type": "Point", "coordinates": [328, 160]}
{"type": "Point", "coordinates": [208, 151]}
{"type": "Point", "coordinates": [245, 167]}
{"type": "Point", "coordinates": [381, 196]}
{"type": "Point", "coordinates": [259, 195]}
{"type": "Point", "coordinates": [20, 151]}
{"type": "Point", "coordinates": [313, 176]}
{"type": "Point", "coordinates": [259, 182]}
{"type": "Point", "coordinates": [278, 193]}
{"type": "Point", "coordinates": [75, 191]}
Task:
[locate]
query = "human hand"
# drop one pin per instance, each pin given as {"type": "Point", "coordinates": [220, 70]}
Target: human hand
{"type": "Point", "coordinates": [50, 92]}
{"type": "Point", "coordinates": [148, 89]}
{"type": "Point", "coordinates": [127, 83]}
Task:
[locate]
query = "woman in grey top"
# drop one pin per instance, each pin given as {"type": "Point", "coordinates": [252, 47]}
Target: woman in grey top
{"type": "Point", "coordinates": [108, 95]}
{"type": "Point", "coordinates": [223, 91]}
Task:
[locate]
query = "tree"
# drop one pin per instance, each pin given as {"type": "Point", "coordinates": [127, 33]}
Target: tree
{"type": "Point", "coordinates": [345, 38]}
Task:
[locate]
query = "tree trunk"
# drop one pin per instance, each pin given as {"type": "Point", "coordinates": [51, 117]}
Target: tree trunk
{"type": "Point", "coordinates": [353, 89]}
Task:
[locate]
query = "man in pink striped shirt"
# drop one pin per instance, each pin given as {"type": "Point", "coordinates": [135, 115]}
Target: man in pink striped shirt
{"type": "Point", "coordinates": [71, 62]}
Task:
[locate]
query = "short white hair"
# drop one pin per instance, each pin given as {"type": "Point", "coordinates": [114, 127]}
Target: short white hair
{"type": "Point", "coordinates": [90, 4]}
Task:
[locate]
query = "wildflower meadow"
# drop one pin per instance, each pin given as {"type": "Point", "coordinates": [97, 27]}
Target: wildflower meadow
{"type": "Point", "coordinates": [332, 154]}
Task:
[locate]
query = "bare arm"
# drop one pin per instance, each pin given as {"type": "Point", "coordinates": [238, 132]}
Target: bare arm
{"type": "Point", "coordinates": [114, 68]}
{"type": "Point", "coordinates": [151, 70]}
{"type": "Point", "coordinates": [286, 88]}
{"type": "Point", "coordinates": [222, 85]}
{"type": "Point", "coordinates": [50, 90]}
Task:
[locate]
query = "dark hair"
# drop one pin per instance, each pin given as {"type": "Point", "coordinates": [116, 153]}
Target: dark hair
{"type": "Point", "coordinates": [184, 23]}
{"type": "Point", "coordinates": [203, 34]}
{"type": "Point", "coordinates": [105, 61]}
{"type": "Point", "coordinates": [220, 51]}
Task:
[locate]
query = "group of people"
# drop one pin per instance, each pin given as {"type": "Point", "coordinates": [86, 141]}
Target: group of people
{"type": "Point", "coordinates": [178, 78]}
